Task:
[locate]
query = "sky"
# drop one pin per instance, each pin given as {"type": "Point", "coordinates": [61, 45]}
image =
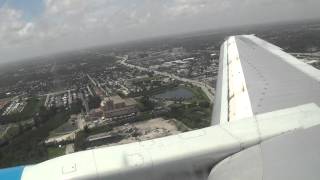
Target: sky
{"type": "Point", "coordinates": [38, 27]}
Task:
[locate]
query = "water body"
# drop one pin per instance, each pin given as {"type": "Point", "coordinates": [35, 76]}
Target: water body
{"type": "Point", "coordinates": [178, 93]}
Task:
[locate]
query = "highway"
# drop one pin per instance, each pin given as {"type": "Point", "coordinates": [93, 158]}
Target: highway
{"type": "Point", "coordinates": [84, 103]}
{"type": "Point", "coordinates": [205, 88]}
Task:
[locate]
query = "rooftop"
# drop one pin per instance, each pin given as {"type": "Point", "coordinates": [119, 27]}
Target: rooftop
{"type": "Point", "coordinates": [116, 99]}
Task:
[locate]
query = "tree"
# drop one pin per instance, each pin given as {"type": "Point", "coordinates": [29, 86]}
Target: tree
{"type": "Point", "coordinates": [76, 107]}
{"type": "Point", "coordinates": [147, 103]}
{"type": "Point", "coordinates": [151, 74]}
{"type": "Point", "coordinates": [44, 114]}
{"type": "Point", "coordinates": [94, 102]}
{"type": "Point", "coordinates": [204, 104]}
{"type": "Point", "coordinates": [86, 129]}
{"type": "Point", "coordinates": [192, 104]}
{"type": "Point", "coordinates": [80, 141]}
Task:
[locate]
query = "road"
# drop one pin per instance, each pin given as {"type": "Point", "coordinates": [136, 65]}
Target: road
{"type": "Point", "coordinates": [69, 148]}
{"type": "Point", "coordinates": [58, 139]}
{"type": "Point", "coordinates": [84, 103]}
{"type": "Point", "coordinates": [205, 88]}
{"type": "Point", "coordinates": [81, 123]}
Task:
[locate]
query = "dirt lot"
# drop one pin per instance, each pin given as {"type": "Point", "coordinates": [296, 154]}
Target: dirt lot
{"type": "Point", "coordinates": [146, 130]}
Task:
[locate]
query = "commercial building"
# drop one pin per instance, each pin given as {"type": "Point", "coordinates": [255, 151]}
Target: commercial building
{"type": "Point", "coordinates": [116, 107]}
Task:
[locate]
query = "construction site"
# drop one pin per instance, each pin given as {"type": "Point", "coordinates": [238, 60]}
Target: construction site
{"type": "Point", "coordinates": [135, 132]}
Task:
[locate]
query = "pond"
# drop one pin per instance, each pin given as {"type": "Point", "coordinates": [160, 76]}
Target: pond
{"type": "Point", "coordinates": [177, 93]}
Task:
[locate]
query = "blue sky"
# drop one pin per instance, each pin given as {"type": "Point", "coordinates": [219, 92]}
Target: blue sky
{"type": "Point", "coordinates": [30, 8]}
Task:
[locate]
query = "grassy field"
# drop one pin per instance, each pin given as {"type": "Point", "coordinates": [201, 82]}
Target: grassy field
{"type": "Point", "coordinates": [65, 128]}
{"type": "Point", "coordinates": [56, 152]}
{"type": "Point", "coordinates": [33, 105]}
{"type": "Point", "coordinates": [199, 95]}
{"type": "Point", "coordinates": [193, 115]}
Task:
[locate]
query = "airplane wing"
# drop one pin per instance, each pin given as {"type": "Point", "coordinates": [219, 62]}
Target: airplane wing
{"type": "Point", "coordinates": [259, 77]}
{"type": "Point", "coordinates": [266, 107]}
{"type": "Point", "coordinates": [262, 78]}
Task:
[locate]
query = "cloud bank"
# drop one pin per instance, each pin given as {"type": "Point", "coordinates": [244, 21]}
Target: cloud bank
{"type": "Point", "coordinates": [70, 24]}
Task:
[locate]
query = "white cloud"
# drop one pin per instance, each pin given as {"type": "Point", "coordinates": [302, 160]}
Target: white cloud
{"type": "Point", "coordinates": [26, 30]}
{"type": "Point", "coordinates": [10, 25]}
{"type": "Point", "coordinates": [67, 24]}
